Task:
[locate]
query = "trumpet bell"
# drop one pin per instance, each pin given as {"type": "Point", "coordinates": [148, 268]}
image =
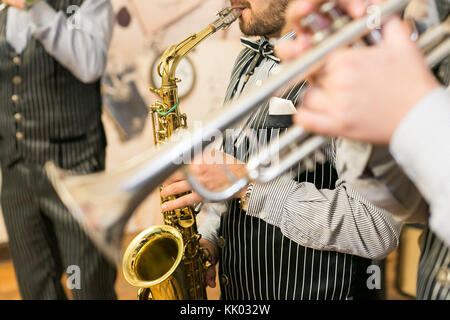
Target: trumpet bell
{"type": "Point", "coordinates": [98, 204]}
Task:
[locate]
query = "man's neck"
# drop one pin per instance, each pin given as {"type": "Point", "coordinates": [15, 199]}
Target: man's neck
{"type": "Point", "coordinates": [283, 31]}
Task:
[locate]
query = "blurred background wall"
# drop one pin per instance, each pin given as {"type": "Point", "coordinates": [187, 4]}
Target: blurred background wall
{"type": "Point", "coordinates": [155, 25]}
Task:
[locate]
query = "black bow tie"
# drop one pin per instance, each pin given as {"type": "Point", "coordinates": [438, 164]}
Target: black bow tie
{"type": "Point", "coordinates": [261, 46]}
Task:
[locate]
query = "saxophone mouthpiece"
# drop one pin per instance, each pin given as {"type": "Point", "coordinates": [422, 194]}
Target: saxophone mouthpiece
{"type": "Point", "coordinates": [237, 11]}
{"type": "Point", "coordinates": [226, 17]}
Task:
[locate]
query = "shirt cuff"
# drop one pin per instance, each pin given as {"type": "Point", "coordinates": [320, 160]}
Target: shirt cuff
{"type": "Point", "coordinates": [413, 138]}
{"type": "Point", "coordinates": [210, 226]}
{"type": "Point", "coordinates": [268, 200]}
{"type": "Point", "coordinates": [41, 14]}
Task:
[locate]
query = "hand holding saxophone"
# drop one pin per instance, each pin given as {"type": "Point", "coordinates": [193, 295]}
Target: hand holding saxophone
{"type": "Point", "coordinates": [209, 171]}
{"type": "Point", "coordinates": [210, 275]}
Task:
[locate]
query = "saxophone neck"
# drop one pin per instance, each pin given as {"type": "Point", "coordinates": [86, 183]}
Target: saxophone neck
{"type": "Point", "coordinates": [173, 55]}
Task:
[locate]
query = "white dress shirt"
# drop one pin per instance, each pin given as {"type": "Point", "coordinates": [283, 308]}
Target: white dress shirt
{"type": "Point", "coordinates": [79, 42]}
{"type": "Point", "coordinates": [420, 144]}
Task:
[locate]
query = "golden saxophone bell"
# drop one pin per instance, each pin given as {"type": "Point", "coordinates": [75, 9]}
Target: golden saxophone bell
{"type": "Point", "coordinates": [152, 262]}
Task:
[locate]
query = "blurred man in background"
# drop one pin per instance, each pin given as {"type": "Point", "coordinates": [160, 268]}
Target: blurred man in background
{"type": "Point", "coordinates": [52, 55]}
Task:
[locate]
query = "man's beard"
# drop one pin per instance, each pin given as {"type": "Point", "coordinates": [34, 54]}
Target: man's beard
{"type": "Point", "coordinates": [269, 22]}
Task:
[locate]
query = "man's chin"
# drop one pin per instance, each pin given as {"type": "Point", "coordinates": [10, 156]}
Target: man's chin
{"type": "Point", "coordinates": [246, 29]}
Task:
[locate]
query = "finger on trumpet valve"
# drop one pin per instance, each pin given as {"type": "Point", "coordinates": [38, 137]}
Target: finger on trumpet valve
{"type": "Point", "coordinates": [337, 15]}
{"type": "Point", "coordinates": [318, 24]}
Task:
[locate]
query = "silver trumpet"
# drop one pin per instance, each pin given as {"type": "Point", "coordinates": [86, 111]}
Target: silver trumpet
{"type": "Point", "coordinates": [298, 145]}
{"type": "Point", "coordinates": [104, 202]}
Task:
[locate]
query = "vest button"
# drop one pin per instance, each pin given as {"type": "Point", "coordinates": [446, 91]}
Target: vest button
{"type": "Point", "coordinates": [15, 98]}
{"type": "Point", "coordinates": [443, 277]}
{"type": "Point", "coordinates": [224, 280]}
{"type": "Point", "coordinates": [17, 61]}
{"type": "Point", "coordinates": [18, 117]}
{"type": "Point", "coordinates": [17, 80]}
{"type": "Point", "coordinates": [221, 242]}
{"type": "Point", "coordinates": [19, 136]}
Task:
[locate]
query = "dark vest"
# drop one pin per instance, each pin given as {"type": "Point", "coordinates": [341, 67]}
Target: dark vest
{"type": "Point", "coordinates": [45, 112]}
{"type": "Point", "coordinates": [257, 261]}
{"type": "Point", "coordinates": [443, 70]}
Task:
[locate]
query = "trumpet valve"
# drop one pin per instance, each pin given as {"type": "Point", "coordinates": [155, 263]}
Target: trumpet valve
{"type": "Point", "coordinates": [336, 14]}
{"type": "Point", "coordinates": [318, 24]}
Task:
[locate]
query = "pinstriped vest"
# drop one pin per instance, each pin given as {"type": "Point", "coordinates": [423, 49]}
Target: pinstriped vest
{"type": "Point", "coordinates": [257, 261]}
{"type": "Point", "coordinates": [434, 262]}
{"type": "Point", "coordinates": [443, 70]}
{"type": "Point", "coordinates": [45, 112]}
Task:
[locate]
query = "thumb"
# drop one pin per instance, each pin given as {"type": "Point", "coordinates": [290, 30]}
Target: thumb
{"type": "Point", "coordinates": [396, 33]}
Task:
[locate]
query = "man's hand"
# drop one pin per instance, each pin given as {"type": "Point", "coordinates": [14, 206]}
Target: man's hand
{"type": "Point", "coordinates": [298, 10]}
{"type": "Point", "coordinates": [364, 93]}
{"type": "Point", "coordinates": [210, 170]}
{"type": "Point", "coordinates": [19, 4]}
{"type": "Point", "coordinates": [210, 277]}
{"type": "Point", "coordinates": [360, 93]}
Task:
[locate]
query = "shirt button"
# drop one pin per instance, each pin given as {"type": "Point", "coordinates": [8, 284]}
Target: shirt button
{"type": "Point", "coordinates": [19, 136]}
{"type": "Point", "coordinates": [224, 280]}
{"type": "Point", "coordinates": [18, 117]}
{"type": "Point", "coordinates": [259, 83]}
{"type": "Point", "coordinates": [15, 98]}
{"type": "Point", "coordinates": [17, 80]}
{"type": "Point", "coordinates": [17, 61]}
{"type": "Point", "coordinates": [221, 242]}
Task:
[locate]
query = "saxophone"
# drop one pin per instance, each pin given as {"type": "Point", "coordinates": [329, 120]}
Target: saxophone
{"type": "Point", "coordinates": [166, 262]}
